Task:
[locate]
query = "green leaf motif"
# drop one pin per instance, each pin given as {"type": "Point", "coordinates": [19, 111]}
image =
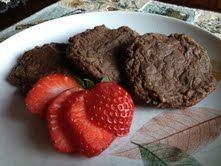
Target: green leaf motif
{"type": "Point", "coordinates": [158, 154]}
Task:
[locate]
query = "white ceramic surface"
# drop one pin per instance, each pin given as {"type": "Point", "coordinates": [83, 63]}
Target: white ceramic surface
{"type": "Point", "coordinates": [23, 137]}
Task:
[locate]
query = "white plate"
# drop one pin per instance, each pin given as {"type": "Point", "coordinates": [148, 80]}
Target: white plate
{"type": "Point", "coordinates": [23, 137]}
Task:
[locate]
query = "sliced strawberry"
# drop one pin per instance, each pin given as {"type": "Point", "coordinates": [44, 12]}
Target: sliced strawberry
{"type": "Point", "coordinates": [93, 139]}
{"type": "Point", "coordinates": [45, 90]}
{"type": "Point", "coordinates": [110, 107]}
{"type": "Point", "coordinates": [61, 134]}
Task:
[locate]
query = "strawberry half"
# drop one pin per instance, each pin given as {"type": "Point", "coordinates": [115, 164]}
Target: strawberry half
{"type": "Point", "coordinates": [110, 106]}
{"type": "Point", "coordinates": [45, 90]}
{"type": "Point", "coordinates": [61, 134]}
{"type": "Point", "coordinates": [93, 139]}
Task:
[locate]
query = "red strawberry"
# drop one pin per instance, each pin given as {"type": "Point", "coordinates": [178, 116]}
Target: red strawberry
{"type": "Point", "coordinates": [61, 134]}
{"type": "Point", "coordinates": [109, 106]}
{"type": "Point", "coordinates": [93, 139]}
{"type": "Point", "coordinates": [45, 90]}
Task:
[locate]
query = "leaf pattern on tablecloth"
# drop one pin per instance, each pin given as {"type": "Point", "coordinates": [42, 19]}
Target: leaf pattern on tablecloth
{"type": "Point", "coordinates": [216, 69]}
{"type": "Point", "coordinates": [189, 130]}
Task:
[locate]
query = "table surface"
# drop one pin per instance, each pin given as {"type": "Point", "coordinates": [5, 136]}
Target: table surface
{"type": "Point", "coordinates": [16, 14]}
{"type": "Point", "coordinates": [210, 21]}
{"type": "Point", "coordinates": [22, 11]}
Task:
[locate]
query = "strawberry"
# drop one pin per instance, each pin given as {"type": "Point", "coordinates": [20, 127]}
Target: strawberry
{"type": "Point", "coordinates": [109, 106]}
{"type": "Point", "coordinates": [61, 134]}
{"type": "Point", "coordinates": [93, 139]}
{"type": "Point", "coordinates": [45, 90]}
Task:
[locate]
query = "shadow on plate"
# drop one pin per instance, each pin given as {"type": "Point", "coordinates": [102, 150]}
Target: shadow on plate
{"type": "Point", "coordinates": [36, 134]}
{"type": "Point", "coordinates": [36, 128]}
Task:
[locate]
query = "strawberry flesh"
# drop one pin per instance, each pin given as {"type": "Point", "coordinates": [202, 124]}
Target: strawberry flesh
{"type": "Point", "coordinates": [39, 97]}
{"type": "Point", "coordinates": [60, 132]}
{"type": "Point", "coordinates": [93, 139]}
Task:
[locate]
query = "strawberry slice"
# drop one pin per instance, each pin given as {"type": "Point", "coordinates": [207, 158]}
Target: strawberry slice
{"type": "Point", "coordinates": [93, 139]}
{"type": "Point", "coordinates": [61, 134]}
{"type": "Point", "coordinates": [110, 107]}
{"type": "Point", "coordinates": [45, 90]}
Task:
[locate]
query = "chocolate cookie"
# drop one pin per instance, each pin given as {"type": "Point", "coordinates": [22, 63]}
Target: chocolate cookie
{"type": "Point", "coordinates": [98, 52]}
{"type": "Point", "coordinates": [40, 61]}
{"type": "Point", "coordinates": [169, 71]}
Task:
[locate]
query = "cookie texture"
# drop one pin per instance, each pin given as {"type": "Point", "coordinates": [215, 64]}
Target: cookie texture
{"type": "Point", "coordinates": [38, 62]}
{"type": "Point", "coordinates": [98, 52]}
{"type": "Point", "coordinates": [169, 71]}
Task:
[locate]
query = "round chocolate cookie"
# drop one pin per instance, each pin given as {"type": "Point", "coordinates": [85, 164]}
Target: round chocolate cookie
{"type": "Point", "coordinates": [98, 52]}
{"type": "Point", "coordinates": [169, 71]}
{"type": "Point", "coordinates": [38, 62]}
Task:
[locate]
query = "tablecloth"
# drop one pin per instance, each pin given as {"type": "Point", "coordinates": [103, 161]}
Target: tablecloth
{"type": "Point", "coordinates": [210, 21]}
